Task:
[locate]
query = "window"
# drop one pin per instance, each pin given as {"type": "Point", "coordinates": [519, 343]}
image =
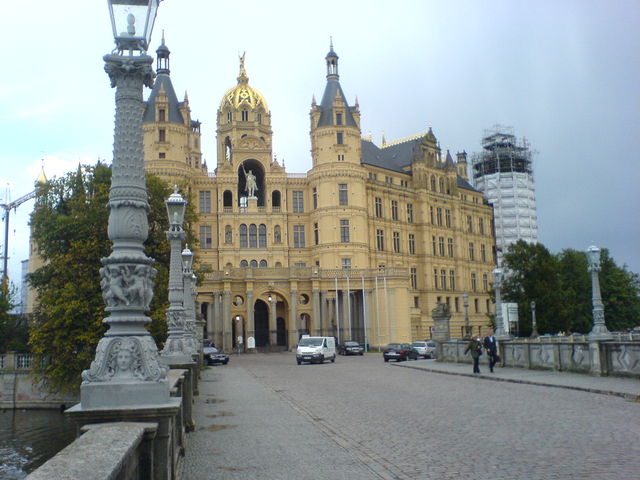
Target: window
{"type": "Point", "coordinates": [315, 198]}
{"type": "Point", "coordinates": [431, 210]}
{"type": "Point", "coordinates": [244, 264]}
{"type": "Point", "coordinates": [410, 212]}
{"type": "Point", "coordinates": [447, 218]}
{"type": "Point", "coordinates": [394, 209]}
{"type": "Point", "coordinates": [443, 279]}
{"type": "Point", "coordinates": [483, 253]}
{"type": "Point", "coordinates": [162, 155]}
{"type": "Point", "coordinates": [205, 201]}
{"type": "Point", "coordinates": [298, 236]}
{"type": "Point", "coordinates": [441, 246]}
{"type": "Point", "coordinates": [338, 119]}
{"type": "Point", "coordinates": [205, 236]}
{"type": "Point", "coordinates": [253, 236]}
{"type": "Point", "coordinates": [162, 135]}
{"type": "Point", "coordinates": [452, 279]}
{"type": "Point", "coordinates": [450, 247]}
{"type": "Point", "coordinates": [433, 244]}
{"type": "Point", "coordinates": [471, 252]}
{"type": "Point", "coordinates": [416, 301]}
{"type": "Point", "coordinates": [412, 243]}
{"type": "Point", "coordinates": [341, 157]}
{"type": "Point", "coordinates": [263, 264]}
{"type": "Point", "coordinates": [373, 176]}
{"type": "Point", "coordinates": [469, 224]}
{"type": "Point", "coordinates": [474, 287]}
{"type": "Point", "coordinates": [245, 116]}
{"type": "Point", "coordinates": [433, 183]}
{"type": "Point", "coordinates": [435, 278]}
{"type": "Point", "coordinates": [378, 207]}
{"type": "Point", "coordinates": [343, 194]}
{"type": "Point", "coordinates": [388, 179]}
{"type": "Point", "coordinates": [396, 242]}
{"type": "Point", "coordinates": [441, 182]}
{"type": "Point", "coordinates": [476, 305]}
{"type": "Point", "coordinates": [457, 304]}
{"type": "Point", "coordinates": [161, 115]}
{"type": "Point", "coordinates": [439, 215]}
{"type": "Point", "coordinates": [414, 279]}
{"type": "Point", "coordinates": [481, 226]}
{"type": "Point", "coordinates": [229, 117]}
{"type": "Point", "coordinates": [298, 202]}
{"type": "Point", "coordinates": [380, 239]}
{"type": "Point", "coordinates": [339, 138]}
{"type": "Point", "coordinates": [243, 236]}
{"type": "Point", "coordinates": [346, 263]}
{"type": "Point", "coordinates": [262, 236]}
{"type": "Point", "coordinates": [488, 306]}
{"type": "Point", "coordinates": [259, 117]}
{"type": "Point", "coordinates": [253, 264]}
{"type": "Point", "coordinates": [316, 234]}
{"type": "Point", "coordinates": [344, 231]}
{"type": "Point", "coordinates": [485, 282]}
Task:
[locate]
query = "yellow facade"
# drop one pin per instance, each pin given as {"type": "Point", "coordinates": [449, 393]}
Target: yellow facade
{"type": "Point", "coordinates": [362, 246]}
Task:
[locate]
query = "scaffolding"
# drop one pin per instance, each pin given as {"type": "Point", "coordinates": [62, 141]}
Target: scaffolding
{"type": "Point", "coordinates": [503, 171]}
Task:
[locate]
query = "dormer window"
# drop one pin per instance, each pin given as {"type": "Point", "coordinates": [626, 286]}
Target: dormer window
{"type": "Point", "coordinates": [162, 135]}
{"type": "Point", "coordinates": [161, 115]}
{"type": "Point", "coordinates": [338, 119]}
{"type": "Point", "coordinates": [245, 116]}
{"type": "Point", "coordinates": [229, 117]}
{"type": "Point", "coordinates": [339, 139]}
{"type": "Point", "coordinates": [259, 118]}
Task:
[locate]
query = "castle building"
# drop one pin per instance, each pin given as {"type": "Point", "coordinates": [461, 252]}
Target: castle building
{"type": "Point", "coordinates": [503, 171]}
{"type": "Point", "coordinates": [363, 246]}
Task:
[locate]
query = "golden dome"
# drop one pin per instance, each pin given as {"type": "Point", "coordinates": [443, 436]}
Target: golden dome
{"type": "Point", "coordinates": [243, 95]}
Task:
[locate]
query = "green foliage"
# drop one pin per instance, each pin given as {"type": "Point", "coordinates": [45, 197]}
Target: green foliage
{"type": "Point", "coordinates": [13, 330]}
{"type": "Point", "coordinates": [70, 228]}
{"type": "Point", "coordinates": [561, 287]}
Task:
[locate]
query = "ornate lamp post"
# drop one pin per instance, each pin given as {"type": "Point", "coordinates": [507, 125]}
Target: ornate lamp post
{"type": "Point", "coordinates": [599, 330]}
{"type": "Point", "coordinates": [176, 351]}
{"type": "Point", "coordinates": [467, 327]}
{"type": "Point", "coordinates": [534, 326]}
{"type": "Point", "coordinates": [126, 370]}
{"type": "Point", "coordinates": [189, 302]}
{"type": "Point", "coordinates": [497, 283]}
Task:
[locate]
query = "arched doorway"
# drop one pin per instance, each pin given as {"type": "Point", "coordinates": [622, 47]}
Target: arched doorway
{"type": "Point", "coordinates": [261, 322]}
{"type": "Point", "coordinates": [255, 168]}
{"type": "Point", "coordinates": [282, 332]}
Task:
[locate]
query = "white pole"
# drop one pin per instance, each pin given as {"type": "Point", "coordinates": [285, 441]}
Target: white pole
{"type": "Point", "coordinates": [364, 312]}
{"type": "Point", "coordinates": [337, 312]}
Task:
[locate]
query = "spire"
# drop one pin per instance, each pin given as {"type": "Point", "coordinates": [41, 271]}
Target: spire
{"type": "Point", "coordinates": [332, 62]}
{"type": "Point", "coordinates": [42, 178]}
{"type": "Point", "coordinates": [162, 53]}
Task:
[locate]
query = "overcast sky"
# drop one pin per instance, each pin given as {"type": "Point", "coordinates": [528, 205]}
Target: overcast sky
{"type": "Point", "coordinates": [563, 74]}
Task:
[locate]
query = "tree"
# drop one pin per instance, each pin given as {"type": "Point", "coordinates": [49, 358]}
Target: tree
{"type": "Point", "coordinates": [13, 331]}
{"type": "Point", "coordinates": [620, 291]}
{"type": "Point", "coordinates": [575, 309]}
{"type": "Point", "coordinates": [69, 226]}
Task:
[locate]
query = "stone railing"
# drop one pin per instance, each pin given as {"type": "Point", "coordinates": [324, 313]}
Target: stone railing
{"type": "Point", "coordinates": [574, 353]}
{"type": "Point", "coordinates": [121, 443]}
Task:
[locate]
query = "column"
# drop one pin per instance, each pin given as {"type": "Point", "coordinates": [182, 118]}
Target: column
{"type": "Point", "coordinates": [293, 318]}
{"type": "Point", "coordinates": [227, 341]}
{"type": "Point", "coordinates": [316, 319]}
{"type": "Point", "coordinates": [273, 337]}
{"type": "Point", "coordinates": [251, 324]}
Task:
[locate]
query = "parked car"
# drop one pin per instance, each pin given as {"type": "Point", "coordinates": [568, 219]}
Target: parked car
{"type": "Point", "coordinates": [212, 356]}
{"type": "Point", "coordinates": [350, 348]}
{"type": "Point", "coordinates": [399, 352]}
{"type": "Point", "coordinates": [426, 349]}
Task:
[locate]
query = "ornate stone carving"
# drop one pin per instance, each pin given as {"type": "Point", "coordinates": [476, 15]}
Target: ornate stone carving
{"type": "Point", "coordinates": [126, 285]}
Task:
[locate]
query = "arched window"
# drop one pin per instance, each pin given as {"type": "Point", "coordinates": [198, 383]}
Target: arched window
{"type": "Point", "coordinates": [262, 236]}
{"type": "Point", "coordinates": [263, 264]}
{"type": "Point", "coordinates": [243, 236]}
{"type": "Point", "coordinates": [227, 199]}
{"type": "Point", "coordinates": [275, 199]}
{"type": "Point", "coordinates": [243, 264]}
{"type": "Point", "coordinates": [442, 190]}
{"type": "Point", "coordinates": [253, 236]}
{"type": "Point", "coordinates": [278, 264]}
{"type": "Point", "coordinates": [433, 183]}
{"type": "Point", "coordinates": [254, 264]}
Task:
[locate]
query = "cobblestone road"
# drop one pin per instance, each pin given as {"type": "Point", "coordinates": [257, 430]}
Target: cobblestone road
{"type": "Point", "coordinates": [263, 416]}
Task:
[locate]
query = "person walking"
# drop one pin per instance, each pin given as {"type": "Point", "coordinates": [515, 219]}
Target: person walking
{"type": "Point", "coordinates": [491, 346]}
{"type": "Point", "coordinates": [475, 347]}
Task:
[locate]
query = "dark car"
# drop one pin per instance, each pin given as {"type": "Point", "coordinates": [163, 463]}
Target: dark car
{"type": "Point", "coordinates": [399, 352]}
{"type": "Point", "coordinates": [350, 348]}
{"type": "Point", "coordinates": [212, 356]}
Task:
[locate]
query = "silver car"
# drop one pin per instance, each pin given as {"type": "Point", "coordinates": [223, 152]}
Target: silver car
{"type": "Point", "coordinates": [426, 349]}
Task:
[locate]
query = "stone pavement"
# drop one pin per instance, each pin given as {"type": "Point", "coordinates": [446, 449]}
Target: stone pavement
{"type": "Point", "coordinates": [628, 388]}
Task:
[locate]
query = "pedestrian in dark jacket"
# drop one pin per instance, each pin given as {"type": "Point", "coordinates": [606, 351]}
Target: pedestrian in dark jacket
{"type": "Point", "coordinates": [491, 346]}
{"type": "Point", "coordinates": [475, 348]}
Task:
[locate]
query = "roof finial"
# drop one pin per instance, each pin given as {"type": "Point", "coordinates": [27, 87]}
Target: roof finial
{"type": "Point", "coordinates": [330, 43]}
{"type": "Point", "coordinates": [163, 36]}
{"type": "Point", "coordinates": [242, 77]}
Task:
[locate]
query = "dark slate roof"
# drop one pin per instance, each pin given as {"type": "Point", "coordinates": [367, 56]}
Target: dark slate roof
{"type": "Point", "coordinates": [326, 105]}
{"type": "Point", "coordinates": [174, 115]}
{"type": "Point", "coordinates": [398, 157]}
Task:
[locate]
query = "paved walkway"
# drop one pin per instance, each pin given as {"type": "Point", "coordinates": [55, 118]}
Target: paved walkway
{"type": "Point", "coordinates": [628, 388]}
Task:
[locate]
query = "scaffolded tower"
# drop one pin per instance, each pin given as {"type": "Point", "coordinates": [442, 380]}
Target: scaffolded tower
{"type": "Point", "coordinates": [503, 172]}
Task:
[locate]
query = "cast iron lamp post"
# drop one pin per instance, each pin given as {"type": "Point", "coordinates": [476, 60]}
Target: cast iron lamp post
{"type": "Point", "coordinates": [599, 330]}
{"type": "Point", "coordinates": [189, 301]}
{"type": "Point", "coordinates": [126, 369]}
{"type": "Point", "coordinates": [497, 284]}
{"type": "Point", "coordinates": [176, 350]}
{"type": "Point", "coordinates": [467, 327]}
{"type": "Point", "coordinates": [534, 326]}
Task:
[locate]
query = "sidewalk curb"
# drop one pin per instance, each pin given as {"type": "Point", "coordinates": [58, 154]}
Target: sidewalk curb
{"type": "Point", "coordinates": [626, 396]}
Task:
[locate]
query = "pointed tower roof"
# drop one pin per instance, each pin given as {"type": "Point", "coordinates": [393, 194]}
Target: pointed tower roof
{"type": "Point", "coordinates": [448, 162]}
{"type": "Point", "coordinates": [163, 86]}
{"type": "Point", "coordinates": [42, 178]}
{"type": "Point", "coordinates": [332, 93]}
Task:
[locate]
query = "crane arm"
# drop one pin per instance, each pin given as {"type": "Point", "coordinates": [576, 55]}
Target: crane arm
{"type": "Point", "coordinates": [19, 201]}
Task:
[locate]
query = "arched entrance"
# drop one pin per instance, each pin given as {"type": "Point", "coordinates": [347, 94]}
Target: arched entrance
{"type": "Point", "coordinates": [261, 322]}
{"type": "Point", "coordinates": [281, 334]}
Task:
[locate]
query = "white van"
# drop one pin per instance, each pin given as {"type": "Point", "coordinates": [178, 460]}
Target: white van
{"type": "Point", "coordinates": [316, 349]}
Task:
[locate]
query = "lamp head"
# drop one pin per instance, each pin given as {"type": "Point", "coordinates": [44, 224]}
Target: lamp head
{"type": "Point", "coordinates": [132, 22]}
{"type": "Point", "coordinates": [593, 257]}
{"type": "Point", "coordinates": [176, 206]}
{"type": "Point", "coordinates": [187, 259]}
{"type": "Point", "coordinates": [497, 276]}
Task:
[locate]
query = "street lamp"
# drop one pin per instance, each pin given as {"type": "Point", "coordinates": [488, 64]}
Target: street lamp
{"type": "Point", "coordinates": [599, 330]}
{"type": "Point", "coordinates": [534, 326]}
{"type": "Point", "coordinates": [467, 327]}
{"type": "Point", "coordinates": [497, 283]}
{"type": "Point", "coordinates": [188, 301]}
{"type": "Point", "coordinates": [126, 369]}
